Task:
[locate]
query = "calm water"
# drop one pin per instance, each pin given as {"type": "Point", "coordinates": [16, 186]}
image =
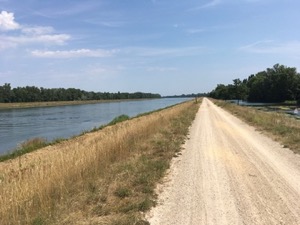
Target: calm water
{"type": "Point", "coordinates": [18, 125]}
{"type": "Point", "coordinates": [289, 110]}
{"type": "Point", "coordinates": [245, 103]}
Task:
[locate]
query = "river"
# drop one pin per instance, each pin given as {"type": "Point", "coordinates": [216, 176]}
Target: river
{"type": "Point", "coordinates": [19, 125]}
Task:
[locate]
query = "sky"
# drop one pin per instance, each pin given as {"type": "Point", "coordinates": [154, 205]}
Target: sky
{"type": "Point", "coordinates": [170, 47]}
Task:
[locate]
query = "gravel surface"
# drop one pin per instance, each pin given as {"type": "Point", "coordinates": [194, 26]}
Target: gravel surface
{"type": "Point", "coordinates": [229, 173]}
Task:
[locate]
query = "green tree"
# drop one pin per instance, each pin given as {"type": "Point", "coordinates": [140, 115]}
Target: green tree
{"type": "Point", "coordinates": [222, 92]}
{"type": "Point", "coordinates": [256, 87]}
{"type": "Point", "coordinates": [6, 93]}
{"type": "Point", "coordinates": [240, 89]}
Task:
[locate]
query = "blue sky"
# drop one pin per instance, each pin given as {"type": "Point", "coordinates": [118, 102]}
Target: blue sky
{"type": "Point", "coordinates": [160, 46]}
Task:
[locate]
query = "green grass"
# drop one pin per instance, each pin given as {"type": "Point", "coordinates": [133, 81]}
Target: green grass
{"type": "Point", "coordinates": [122, 192]}
{"type": "Point", "coordinates": [38, 221]}
{"type": "Point", "coordinates": [118, 119]}
{"type": "Point", "coordinates": [25, 147]}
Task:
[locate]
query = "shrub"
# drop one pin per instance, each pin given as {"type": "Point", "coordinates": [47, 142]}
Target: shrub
{"type": "Point", "coordinates": [119, 119]}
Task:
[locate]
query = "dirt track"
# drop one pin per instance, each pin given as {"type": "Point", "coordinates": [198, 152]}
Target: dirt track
{"type": "Point", "coordinates": [229, 173]}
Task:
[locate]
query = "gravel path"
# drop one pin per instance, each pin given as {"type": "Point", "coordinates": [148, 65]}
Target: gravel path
{"type": "Point", "coordinates": [229, 173]}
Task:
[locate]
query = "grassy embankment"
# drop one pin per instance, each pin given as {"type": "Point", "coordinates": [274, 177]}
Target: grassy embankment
{"type": "Point", "coordinates": [279, 126]}
{"type": "Point", "coordinates": [103, 177]}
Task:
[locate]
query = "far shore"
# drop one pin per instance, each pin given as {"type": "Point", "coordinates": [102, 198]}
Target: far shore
{"type": "Point", "coordinates": [17, 105]}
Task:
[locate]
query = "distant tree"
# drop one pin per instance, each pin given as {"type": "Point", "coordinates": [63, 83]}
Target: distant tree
{"type": "Point", "coordinates": [5, 93]}
{"type": "Point", "coordinates": [34, 94]}
{"type": "Point", "coordinates": [240, 89]}
{"type": "Point", "coordinates": [257, 87]}
{"type": "Point", "coordinates": [224, 92]}
{"type": "Point", "coordinates": [276, 84]}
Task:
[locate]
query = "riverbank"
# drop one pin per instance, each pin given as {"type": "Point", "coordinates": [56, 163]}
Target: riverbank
{"type": "Point", "coordinates": [107, 176]}
{"type": "Point", "coordinates": [52, 123]}
{"type": "Point", "coordinates": [57, 103]}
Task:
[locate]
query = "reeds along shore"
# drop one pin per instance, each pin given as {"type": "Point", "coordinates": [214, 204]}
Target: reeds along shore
{"type": "Point", "coordinates": [34, 186]}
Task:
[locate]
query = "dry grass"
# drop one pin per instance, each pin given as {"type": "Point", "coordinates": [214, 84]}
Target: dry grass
{"type": "Point", "coordinates": [103, 177]}
{"type": "Point", "coordinates": [279, 126]}
{"type": "Point", "coordinates": [25, 147]}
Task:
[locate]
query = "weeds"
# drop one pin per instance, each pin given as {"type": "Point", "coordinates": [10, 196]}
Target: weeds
{"type": "Point", "coordinates": [119, 119]}
{"type": "Point", "coordinates": [122, 192]}
{"type": "Point", "coordinates": [38, 221]}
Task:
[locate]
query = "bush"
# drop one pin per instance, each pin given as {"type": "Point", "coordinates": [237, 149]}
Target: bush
{"type": "Point", "coordinates": [119, 119]}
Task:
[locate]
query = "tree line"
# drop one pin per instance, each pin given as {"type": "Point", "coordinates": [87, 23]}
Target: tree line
{"type": "Point", "coordinates": [36, 94]}
{"type": "Point", "coordinates": [273, 85]}
{"type": "Point", "coordinates": [193, 95]}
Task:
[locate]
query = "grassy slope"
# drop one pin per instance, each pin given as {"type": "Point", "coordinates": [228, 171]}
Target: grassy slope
{"type": "Point", "coordinates": [104, 177]}
{"type": "Point", "coordinates": [281, 128]}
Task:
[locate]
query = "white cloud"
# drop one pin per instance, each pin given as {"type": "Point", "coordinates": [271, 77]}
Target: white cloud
{"type": "Point", "coordinates": [50, 39]}
{"type": "Point", "coordinates": [272, 47]}
{"type": "Point", "coordinates": [169, 52]}
{"type": "Point", "coordinates": [213, 3]}
{"type": "Point", "coordinates": [25, 35]}
{"type": "Point", "coordinates": [194, 31]}
{"type": "Point", "coordinates": [7, 21]}
{"type": "Point", "coordinates": [53, 38]}
{"type": "Point", "coordinates": [37, 30]}
{"type": "Point", "coordinates": [210, 4]}
{"type": "Point", "coordinates": [69, 9]}
{"type": "Point", "coordinates": [74, 53]}
{"type": "Point", "coordinates": [112, 24]}
{"type": "Point", "coordinates": [161, 69]}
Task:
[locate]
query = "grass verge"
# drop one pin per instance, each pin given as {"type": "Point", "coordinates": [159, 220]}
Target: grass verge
{"type": "Point", "coordinates": [281, 128]}
{"type": "Point", "coordinates": [104, 177]}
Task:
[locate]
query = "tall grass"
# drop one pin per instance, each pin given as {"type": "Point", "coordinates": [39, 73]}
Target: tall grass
{"type": "Point", "coordinates": [33, 144]}
{"type": "Point", "coordinates": [281, 127]}
{"type": "Point", "coordinates": [104, 177]}
{"type": "Point", "coordinates": [25, 147]}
